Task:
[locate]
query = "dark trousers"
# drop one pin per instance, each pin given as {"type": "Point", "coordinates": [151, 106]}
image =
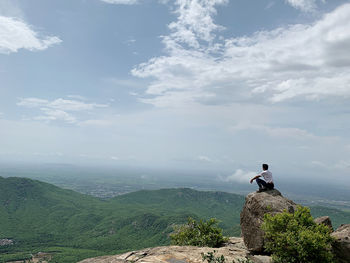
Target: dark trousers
{"type": "Point", "coordinates": [262, 184]}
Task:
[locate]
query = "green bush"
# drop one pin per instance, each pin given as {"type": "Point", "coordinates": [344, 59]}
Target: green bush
{"type": "Point", "coordinates": [296, 238]}
{"type": "Point", "coordinates": [202, 233]}
{"type": "Point", "coordinates": [210, 258]}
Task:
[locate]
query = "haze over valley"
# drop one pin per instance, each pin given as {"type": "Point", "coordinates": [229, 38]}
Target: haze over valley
{"type": "Point", "coordinates": [107, 182]}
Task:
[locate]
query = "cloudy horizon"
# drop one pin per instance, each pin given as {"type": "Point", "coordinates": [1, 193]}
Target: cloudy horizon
{"type": "Point", "coordinates": [209, 84]}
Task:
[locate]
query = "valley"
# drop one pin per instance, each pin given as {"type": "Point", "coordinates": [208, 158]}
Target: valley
{"type": "Point", "coordinates": [39, 217]}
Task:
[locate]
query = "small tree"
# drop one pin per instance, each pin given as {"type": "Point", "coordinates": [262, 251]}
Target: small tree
{"type": "Point", "coordinates": [202, 233]}
{"type": "Point", "coordinates": [296, 238]}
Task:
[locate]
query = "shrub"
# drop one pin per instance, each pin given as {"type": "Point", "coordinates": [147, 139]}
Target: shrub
{"type": "Point", "coordinates": [202, 233]}
{"type": "Point", "coordinates": [210, 258]}
{"type": "Point", "coordinates": [296, 238]}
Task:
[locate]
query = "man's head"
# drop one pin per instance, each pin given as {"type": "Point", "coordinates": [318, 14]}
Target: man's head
{"type": "Point", "coordinates": [265, 166]}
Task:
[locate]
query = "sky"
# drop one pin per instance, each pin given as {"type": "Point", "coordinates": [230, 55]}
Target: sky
{"type": "Point", "coordinates": [214, 85]}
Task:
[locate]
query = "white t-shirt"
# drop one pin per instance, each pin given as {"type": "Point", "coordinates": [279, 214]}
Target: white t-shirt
{"type": "Point", "coordinates": [267, 176]}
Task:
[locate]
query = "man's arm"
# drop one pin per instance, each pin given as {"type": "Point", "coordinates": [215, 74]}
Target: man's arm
{"type": "Point", "coordinates": [256, 177]}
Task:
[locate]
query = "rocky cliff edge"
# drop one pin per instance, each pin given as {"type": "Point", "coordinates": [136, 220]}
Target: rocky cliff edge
{"type": "Point", "coordinates": [234, 250]}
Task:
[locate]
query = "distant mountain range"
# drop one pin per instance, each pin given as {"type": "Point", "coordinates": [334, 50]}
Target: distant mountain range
{"type": "Point", "coordinates": [38, 216]}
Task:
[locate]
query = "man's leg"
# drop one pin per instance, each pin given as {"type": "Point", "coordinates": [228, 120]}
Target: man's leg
{"type": "Point", "coordinates": [261, 183]}
{"type": "Point", "coordinates": [270, 186]}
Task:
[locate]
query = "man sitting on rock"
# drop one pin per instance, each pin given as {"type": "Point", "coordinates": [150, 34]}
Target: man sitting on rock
{"type": "Point", "coordinates": [267, 175]}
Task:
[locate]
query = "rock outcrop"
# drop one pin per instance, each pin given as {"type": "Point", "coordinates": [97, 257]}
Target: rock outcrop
{"type": "Point", "coordinates": [341, 245]}
{"type": "Point", "coordinates": [252, 216]}
{"type": "Point", "coordinates": [325, 220]}
{"type": "Point", "coordinates": [234, 250]}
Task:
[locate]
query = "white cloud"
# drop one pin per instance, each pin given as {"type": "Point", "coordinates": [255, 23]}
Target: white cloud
{"type": "Point", "coordinates": [129, 83]}
{"type": "Point", "coordinates": [303, 61]}
{"type": "Point", "coordinates": [59, 109]}
{"type": "Point", "coordinates": [74, 105]}
{"type": "Point", "coordinates": [60, 104]}
{"type": "Point", "coordinates": [194, 22]}
{"type": "Point", "coordinates": [130, 2]}
{"type": "Point", "coordinates": [204, 158]}
{"type": "Point", "coordinates": [55, 115]}
{"type": "Point", "coordinates": [97, 123]}
{"type": "Point", "coordinates": [274, 131]}
{"type": "Point", "coordinates": [239, 176]}
{"type": "Point", "coordinates": [16, 34]}
{"type": "Point", "coordinates": [318, 164]}
{"type": "Point", "coordinates": [130, 41]}
{"type": "Point", "coordinates": [58, 154]}
{"type": "Point", "coordinates": [284, 132]}
{"type": "Point", "coordinates": [121, 2]}
{"type": "Point", "coordinates": [32, 102]}
{"type": "Point", "coordinates": [343, 165]}
{"type": "Point", "coordinates": [303, 5]}
{"type": "Point", "coordinates": [78, 97]}
{"type": "Point", "coordinates": [270, 5]}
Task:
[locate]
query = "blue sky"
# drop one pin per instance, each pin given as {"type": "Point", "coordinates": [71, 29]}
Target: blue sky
{"type": "Point", "coordinates": [192, 84]}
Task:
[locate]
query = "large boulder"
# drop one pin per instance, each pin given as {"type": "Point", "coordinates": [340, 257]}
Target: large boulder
{"type": "Point", "coordinates": [252, 216]}
{"type": "Point", "coordinates": [341, 246]}
{"type": "Point", "coordinates": [324, 220]}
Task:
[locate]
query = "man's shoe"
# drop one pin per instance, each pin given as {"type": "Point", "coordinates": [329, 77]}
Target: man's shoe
{"type": "Point", "coordinates": [261, 190]}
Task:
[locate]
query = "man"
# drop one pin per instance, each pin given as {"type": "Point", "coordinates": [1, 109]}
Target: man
{"type": "Point", "coordinates": [267, 175]}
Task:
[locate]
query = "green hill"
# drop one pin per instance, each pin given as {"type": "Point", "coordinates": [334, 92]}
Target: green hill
{"type": "Point", "coordinates": [42, 217]}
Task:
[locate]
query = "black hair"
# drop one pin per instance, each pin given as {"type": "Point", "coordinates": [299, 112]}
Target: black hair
{"type": "Point", "coordinates": [265, 166]}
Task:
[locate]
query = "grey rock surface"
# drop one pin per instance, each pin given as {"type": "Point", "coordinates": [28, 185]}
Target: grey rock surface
{"type": "Point", "coordinates": [341, 246]}
{"type": "Point", "coordinates": [252, 216]}
{"type": "Point", "coordinates": [232, 251]}
{"type": "Point", "coordinates": [325, 220]}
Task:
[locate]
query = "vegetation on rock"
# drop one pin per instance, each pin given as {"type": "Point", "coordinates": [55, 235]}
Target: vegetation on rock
{"type": "Point", "coordinates": [296, 238]}
{"type": "Point", "coordinates": [201, 233]}
{"type": "Point", "coordinates": [211, 258]}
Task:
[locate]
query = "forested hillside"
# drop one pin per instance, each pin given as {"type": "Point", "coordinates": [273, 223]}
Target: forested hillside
{"type": "Point", "coordinates": [41, 217]}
